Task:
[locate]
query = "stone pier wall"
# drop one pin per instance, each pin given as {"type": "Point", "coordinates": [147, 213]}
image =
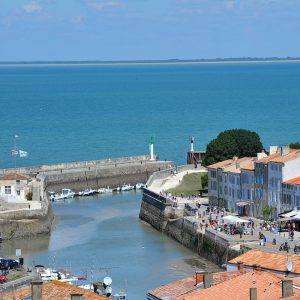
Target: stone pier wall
{"type": "Point", "coordinates": [209, 244]}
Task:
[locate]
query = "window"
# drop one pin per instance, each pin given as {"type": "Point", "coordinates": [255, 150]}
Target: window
{"type": "Point", "coordinates": [18, 182]}
{"type": "Point", "coordinates": [8, 190]}
{"type": "Point", "coordinates": [213, 174]}
{"type": "Point", "coordinates": [18, 193]}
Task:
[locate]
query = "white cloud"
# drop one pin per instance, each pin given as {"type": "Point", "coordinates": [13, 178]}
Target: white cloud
{"type": "Point", "coordinates": [105, 4]}
{"type": "Point", "coordinates": [32, 7]}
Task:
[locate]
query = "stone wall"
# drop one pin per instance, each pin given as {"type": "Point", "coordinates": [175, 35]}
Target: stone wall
{"type": "Point", "coordinates": [111, 175]}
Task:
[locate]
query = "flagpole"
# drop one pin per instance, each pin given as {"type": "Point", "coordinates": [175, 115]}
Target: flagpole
{"type": "Point", "coordinates": [15, 147]}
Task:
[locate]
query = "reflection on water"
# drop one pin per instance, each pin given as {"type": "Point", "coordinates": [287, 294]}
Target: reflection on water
{"type": "Point", "coordinates": [102, 235]}
{"type": "Point", "coordinates": [29, 246]}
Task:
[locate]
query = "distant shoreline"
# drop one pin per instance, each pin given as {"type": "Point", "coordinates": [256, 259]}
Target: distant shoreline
{"type": "Point", "coordinates": [150, 62]}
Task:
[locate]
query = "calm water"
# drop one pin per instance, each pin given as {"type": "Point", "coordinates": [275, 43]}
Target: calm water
{"type": "Point", "coordinates": [99, 236]}
{"type": "Point", "coordinates": [68, 113]}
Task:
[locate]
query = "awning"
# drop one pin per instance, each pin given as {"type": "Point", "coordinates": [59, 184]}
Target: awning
{"type": "Point", "coordinates": [242, 203]}
{"type": "Point", "coordinates": [284, 219]}
{"type": "Point", "coordinates": [234, 220]}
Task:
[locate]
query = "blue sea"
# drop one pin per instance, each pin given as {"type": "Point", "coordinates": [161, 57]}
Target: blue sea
{"type": "Point", "coordinates": [68, 113]}
{"type": "Point", "coordinates": [74, 112]}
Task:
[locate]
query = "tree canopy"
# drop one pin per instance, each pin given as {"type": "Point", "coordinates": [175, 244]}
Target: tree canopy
{"type": "Point", "coordinates": [295, 145]}
{"type": "Point", "coordinates": [230, 143]}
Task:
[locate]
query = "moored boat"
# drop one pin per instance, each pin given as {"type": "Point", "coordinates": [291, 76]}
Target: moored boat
{"type": "Point", "coordinates": [127, 187]}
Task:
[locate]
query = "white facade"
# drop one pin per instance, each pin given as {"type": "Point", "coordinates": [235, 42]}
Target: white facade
{"type": "Point", "coordinates": [13, 189]}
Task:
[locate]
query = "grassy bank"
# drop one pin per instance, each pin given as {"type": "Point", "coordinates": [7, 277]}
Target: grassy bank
{"type": "Point", "coordinates": [190, 185]}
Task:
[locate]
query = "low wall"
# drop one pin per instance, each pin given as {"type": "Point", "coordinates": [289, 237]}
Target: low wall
{"type": "Point", "coordinates": [89, 164]}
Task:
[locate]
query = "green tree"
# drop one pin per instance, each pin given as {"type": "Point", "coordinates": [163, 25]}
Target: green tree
{"type": "Point", "coordinates": [295, 145]}
{"type": "Point", "coordinates": [267, 211]}
{"type": "Point", "coordinates": [234, 142]}
{"type": "Point", "coordinates": [29, 196]}
{"type": "Point", "coordinates": [204, 181]}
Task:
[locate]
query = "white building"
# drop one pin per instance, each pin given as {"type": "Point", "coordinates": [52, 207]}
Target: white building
{"type": "Point", "coordinates": [14, 187]}
{"type": "Point", "coordinates": [291, 194]}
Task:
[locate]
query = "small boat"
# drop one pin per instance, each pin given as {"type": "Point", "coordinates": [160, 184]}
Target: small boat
{"type": "Point", "coordinates": [139, 186]}
{"type": "Point", "coordinates": [117, 189]}
{"type": "Point", "coordinates": [65, 194]}
{"type": "Point", "coordinates": [127, 187]}
{"type": "Point", "coordinates": [106, 190]}
{"type": "Point", "coordinates": [87, 192]}
{"type": "Point", "coordinates": [48, 274]}
{"type": "Point", "coordinates": [120, 296]}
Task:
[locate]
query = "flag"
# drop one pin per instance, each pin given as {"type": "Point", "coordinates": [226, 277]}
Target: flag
{"type": "Point", "coordinates": [14, 152]}
{"type": "Point", "coordinates": [23, 153]}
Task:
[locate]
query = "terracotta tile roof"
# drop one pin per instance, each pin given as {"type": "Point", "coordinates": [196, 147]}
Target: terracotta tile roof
{"type": "Point", "coordinates": [268, 158]}
{"type": "Point", "coordinates": [13, 176]}
{"type": "Point", "coordinates": [221, 164]}
{"type": "Point", "coordinates": [183, 286]}
{"type": "Point", "coordinates": [54, 290]}
{"type": "Point", "coordinates": [285, 158]}
{"type": "Point", "coordinates": [174, 289]}
{"type": "Point", "coordinates": [295, 180]}
{"type": "Point", "coordinates": [267, 284]}
{"type": "Point", "coordinates": [268, 260]}
{"type": "Point", "coordinates": [249, 167]}
{"type": "Point", "coordinates": [231, 163]}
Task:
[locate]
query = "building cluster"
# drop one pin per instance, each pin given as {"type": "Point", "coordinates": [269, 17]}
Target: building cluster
{"type": "Point", "coordinates": [245, 278]}
{"type": "Point", "coordinates": [246, 185]}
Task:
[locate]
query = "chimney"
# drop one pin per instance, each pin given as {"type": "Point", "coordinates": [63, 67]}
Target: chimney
{"type": "Point", "coordinates": [208, 280]}
{"type": "Point", "coordinates": [77, 296]}
{"type": "Point", "coordinates": [285, 150]}
{"type": "Point", "coordinates": [253, 293]}
{"type": "Point", "coordinates": [36, 290]}
{"type": "Point", "coordinates": [240, 265]}
{"type": "Point", "coordinates": [256, 267]}
{"type": "Point", "coordinates": [273, 149]}
{"type": "Point", "coordinates": [261, 155]}
{"type": "Point", "coordinates": [287, 288]}
{"type": "Point", "coordinates": [199, 277]}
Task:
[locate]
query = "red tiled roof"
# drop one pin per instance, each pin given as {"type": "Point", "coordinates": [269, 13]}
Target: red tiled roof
{"type": "Point", "coordinates": [285, 158]}
{"type": "Point", "coordinates": [295, 180]}
{"type": "Point", "coordinates": [267, 284]}
{"type": "Point", "coordinates": [229, 162]}
{"type": "Point", "coordinates": [221, 164]}
{"type": "Point", "coordinates": [183, 286]}
{"type": "Point", "coordinates": [268, 158]}
{"type": "Point", "coordinates": [54, 290]}
{"type": "Point", "coordinates": [268, 260]}
{"type": "Point", "coordinates": [249, 167]}
{"type": "Point", "coordinates": [13, 176]}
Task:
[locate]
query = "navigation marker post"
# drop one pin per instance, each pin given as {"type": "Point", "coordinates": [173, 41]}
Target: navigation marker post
{"type": "Point", "coordinates": [151, 146]}
{"type": "Point", "coordinates": [192, 143]}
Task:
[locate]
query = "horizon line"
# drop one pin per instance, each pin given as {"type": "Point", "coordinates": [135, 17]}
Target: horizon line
{"type": "Point", "coordinates": [145, 61]}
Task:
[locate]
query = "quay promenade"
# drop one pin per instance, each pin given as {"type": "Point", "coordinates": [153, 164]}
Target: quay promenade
{"type": "Point", "coordinates": [187, 221]}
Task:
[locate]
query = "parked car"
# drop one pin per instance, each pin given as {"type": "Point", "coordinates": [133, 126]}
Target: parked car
{"type": "Point", "coordinates": [8, 263]}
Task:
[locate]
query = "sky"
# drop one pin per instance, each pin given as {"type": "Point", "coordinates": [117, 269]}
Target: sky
{"type": "Point", "coordinates": [51, 30]}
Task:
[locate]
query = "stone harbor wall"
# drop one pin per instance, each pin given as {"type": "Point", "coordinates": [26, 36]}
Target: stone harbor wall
{"type": "Point", "coordinates": [29, 222]}
{"type": "Point", "coordinates": [77, 176]}
{"type": "Point", "coordinates": [186, 230]}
